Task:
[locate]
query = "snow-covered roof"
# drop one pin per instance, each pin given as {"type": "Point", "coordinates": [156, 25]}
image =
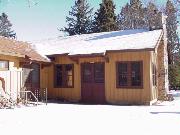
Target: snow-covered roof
{"type": "Point", "coordinates": [16, 48]}
{"type": "Point", "coordinates": [99, 42]}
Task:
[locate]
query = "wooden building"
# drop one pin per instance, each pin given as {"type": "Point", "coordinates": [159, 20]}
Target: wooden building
{"type": "Point", "coordinates": [122, 67]}
{"type": "Point", "coordinates": [15, 59]}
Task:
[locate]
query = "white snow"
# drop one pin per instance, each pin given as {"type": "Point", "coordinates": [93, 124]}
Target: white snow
{"type": "Point", "coordinates": [99, 42]}
{"type": "Point", "coordinates": [69, 119]}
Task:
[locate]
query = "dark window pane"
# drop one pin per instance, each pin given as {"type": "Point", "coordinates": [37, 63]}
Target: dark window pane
{"type": "Point", "coordinates": [59, 75]}
{"type": "Point", "coordinates": [99, 73]}
{"type": "Point", "coordinates": [69, 75]}
{"type": "Point", "coordinates": [64, 75]}
{"type": "Point", "coordinates": [123, 74]}
{"type": "Point", "coordinates": [136, 74]}
{"type": "Point", "coordinates": [87, 73]}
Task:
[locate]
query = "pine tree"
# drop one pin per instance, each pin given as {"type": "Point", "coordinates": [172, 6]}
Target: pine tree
{"type": "Point", "coordinates": [153, 17]}
{"type": "Point", "coordinates": [173, 41]}
{"type": "Point", "coordinates": [137, 14]}
{"type": "Point", "coordinates": [105, 18]}
{"type": "Point", "coordinates": [173, 44]}
{"type": "Point", "coordinates": [5, 27]}
{"type": "Point", "coordinates": [79, 20]}
{"type": "Point", "coordinates": [174, 74]}
{"type": "Point", "coordinates": [123, 19]}
{"type": "Point", "coordinates": [132, 16]}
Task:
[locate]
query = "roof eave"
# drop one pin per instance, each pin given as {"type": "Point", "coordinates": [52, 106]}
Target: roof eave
{"type": "Point", "coordinates": [102, 54]}
{"type": "Point", "coordinates": [131, 50]}
{"type": "Point", "coordinates": [12, 54]}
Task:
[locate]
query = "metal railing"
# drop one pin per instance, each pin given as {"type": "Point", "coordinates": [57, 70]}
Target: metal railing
{"type": "Point", "coordinates": [36, 95]}
{"type": "Point", "coordinates": [25, 93]}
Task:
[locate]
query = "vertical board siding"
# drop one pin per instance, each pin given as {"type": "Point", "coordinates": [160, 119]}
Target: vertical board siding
{"type": "Point", "coordinates": [72, 94]}
{"type": "Point", "coordinates": [12, 82]}
{"type": "Point", "coordinates": [124, 95]}
{"type": "Point", "coordinates": [13, 76]}
{"type": "Point", "coordinates": [44, 78]}
{"type": "Point", "coordinates": [113, 95]}
{"type": "Point", "coordinates": [154, 89]}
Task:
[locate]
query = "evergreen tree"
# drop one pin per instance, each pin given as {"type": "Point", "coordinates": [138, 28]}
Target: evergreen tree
{"type": "Point", "coordinates": [124, 18]}
{"type": "Point", "coordinates": [5, 27]}
{"type": "Point", "coordinates": [153, 17]}
{"type": "Point", "coordinates": [79, 20]}
{"type": "Point", "coordinates": [105, 18]}
{"type": "Point", "coordinates": [132, 16]}
{"type": "Point", "coordinates": [137, 14]}
{"type": "Point", "coordinates": [173, 44]}
{"type": "Point", "coordinates": [174, 74]}
{"type": "Point", "coordinates": [173, 41]}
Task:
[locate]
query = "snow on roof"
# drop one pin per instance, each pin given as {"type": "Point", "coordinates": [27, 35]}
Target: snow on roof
{"type": "Point", "coordinates": [16, 48]}
{"type": "Point", "coordinates": [99, 42]}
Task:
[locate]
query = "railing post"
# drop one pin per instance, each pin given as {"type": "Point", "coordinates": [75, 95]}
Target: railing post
{"type": "Point", "coordinates": [46, 95]}
{"type": "Point", "coordinates": [26, 96]}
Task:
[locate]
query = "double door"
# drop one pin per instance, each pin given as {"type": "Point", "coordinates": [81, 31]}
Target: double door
{"type": "Point", "coordinates": [93, 83]}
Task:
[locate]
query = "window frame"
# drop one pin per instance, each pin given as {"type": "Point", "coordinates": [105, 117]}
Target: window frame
{"type": "Point", "coordinates": [64, 76]}
{"type": "Point", "coordinates": [129, 75]}
{"type": "Point", "coordinates": [6, 68]}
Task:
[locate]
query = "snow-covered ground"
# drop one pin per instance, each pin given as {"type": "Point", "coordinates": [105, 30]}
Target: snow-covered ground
{"type": "Point", "coordinates": [69, 119]}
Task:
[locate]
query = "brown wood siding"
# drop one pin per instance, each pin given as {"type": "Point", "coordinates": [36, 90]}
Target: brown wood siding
{"type": "Point", "coordinates": [113, 94]}
{"type": "Point", "coordinates": [44, 77]}
{"type": "Point", "coordinates": [127, 95]}
{"type": "Point", "coordinates": [154, 90]}
{"type": "Point", "coordinates": [47, 75]}
{"type": "Point", "coordinates": [129, 81]}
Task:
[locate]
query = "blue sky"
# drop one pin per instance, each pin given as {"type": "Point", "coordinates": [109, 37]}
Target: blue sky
{"type": "Point", "coordinates": [42, 20]}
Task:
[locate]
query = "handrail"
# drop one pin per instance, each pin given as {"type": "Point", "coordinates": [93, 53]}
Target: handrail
{"type": "Point", "coordinates": [32, 95]}
{"type": "Point", "coordinates": [42, 92]}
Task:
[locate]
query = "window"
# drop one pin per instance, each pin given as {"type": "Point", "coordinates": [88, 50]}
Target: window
{"type": "Point", "coordinates": [58, 76]}
{"type": "Point", "coordinates": [69, 75]}
{"type": "Point", "coordinates": [123, 74]}
{"type": "Point", "coordinates": [99, 73]}
{"type": "Point", "coordinates": [4, 65]}
{"type": "Point", "coordinates": [135, 74]}
{"type": "Point", "coordinates": [154, 73]}
{"type": "Point", "coordinates": [64, 76]}
{"type": "Point", "coordinates": [129, 75]}
{"type": "Point", "coordinates": [87, 73]}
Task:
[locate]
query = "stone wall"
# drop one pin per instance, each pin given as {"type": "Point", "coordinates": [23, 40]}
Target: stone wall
{"type": "Point", "coordinates": [162, 72]}
{"type": "Point", "coordinates": [163, 82]}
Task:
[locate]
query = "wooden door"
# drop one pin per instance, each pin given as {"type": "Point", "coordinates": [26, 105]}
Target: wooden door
{"type": "Point", "coordinates": [92, 83]}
